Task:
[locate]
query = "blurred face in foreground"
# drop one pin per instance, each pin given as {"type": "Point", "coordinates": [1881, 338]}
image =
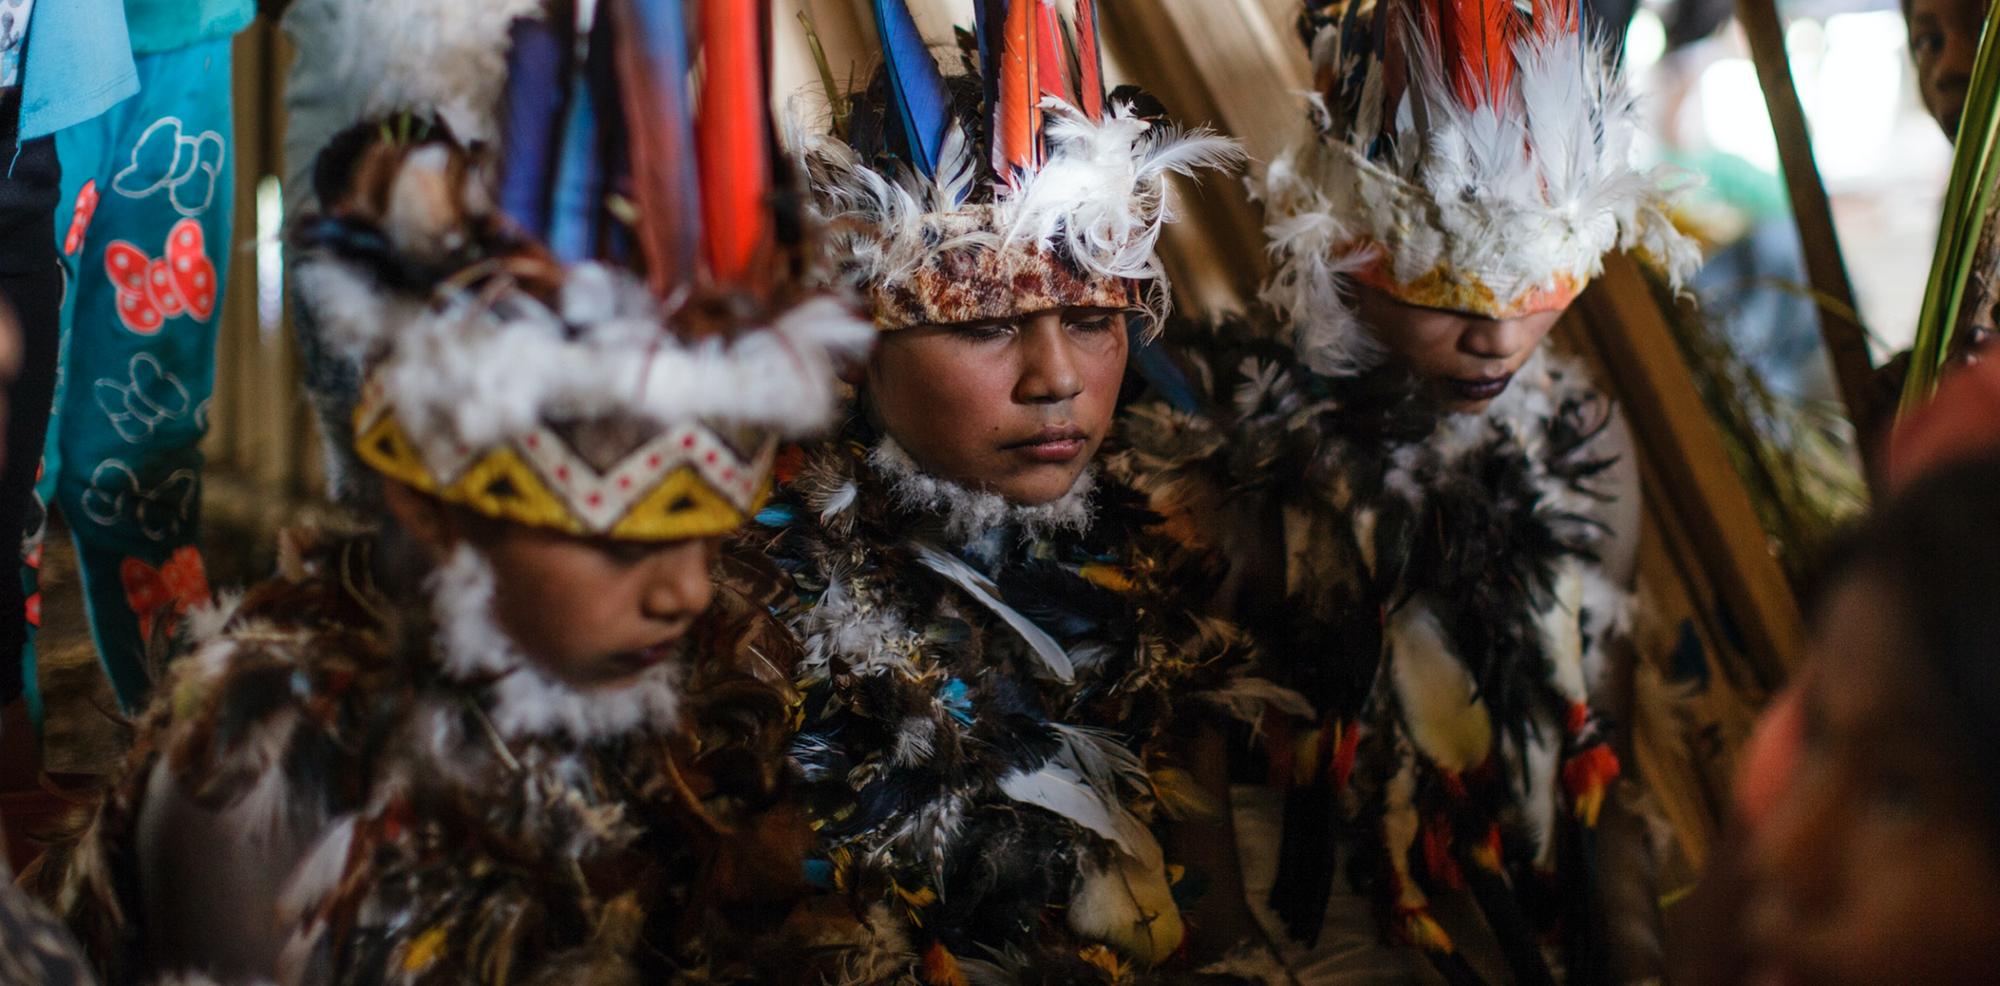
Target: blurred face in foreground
{"type": "Point", "coordinates": [1874, 863]}
{"type": "Point", "coordinates": [1015, 407]}
{"type": "Point", "coordinates": [1463, 360]}
{"type": "Point", "coordinates": [592, 613]}
{"type": "Point", "coordinates": [10, 365]}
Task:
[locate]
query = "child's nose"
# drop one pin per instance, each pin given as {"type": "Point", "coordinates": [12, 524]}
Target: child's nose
{"type": "Point", "coordinates": [1497, 338]}
{"type": "Point", "coordinates": [678, 584]}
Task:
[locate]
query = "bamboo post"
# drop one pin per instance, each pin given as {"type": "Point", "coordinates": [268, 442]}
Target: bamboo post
{"type": "Point", "coordinates": [1846, 341]}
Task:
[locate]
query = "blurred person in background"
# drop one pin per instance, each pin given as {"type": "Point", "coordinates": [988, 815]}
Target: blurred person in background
{"type": "Point", "coordinates": [34, 949]}
{"type": "Point", "coordinates": [1874, 854]}
{"type": "Point", "coordinates": [1711, 943]}
{"type": "Point", "coordinates": [1944, 43]}
{"type": "Point", "coordinates": [61, 64]}
{"type": "Point", "coordinates": [143, 225]}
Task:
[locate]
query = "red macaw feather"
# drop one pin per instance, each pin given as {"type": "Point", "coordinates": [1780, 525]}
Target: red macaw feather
{"type": "Point", "coordinates": [1587, 776]}
{"type": "Point", "coordinates": [1476, 40]}
{"type": "Point", "coordinates": [650, 58]}
{"type": "Point", "coordinates": [1017, 112]}
{"type": "Point", "coordinates": [1439, 858]}
{"type": "Point", "coordinates": [1344, 752]}
{"type": "Point", "coordinates": [1051, 65]}
{"type": "Point", "coordinates": [730, 135]}
{"type": "Point", "coordinates": [1089, 61]}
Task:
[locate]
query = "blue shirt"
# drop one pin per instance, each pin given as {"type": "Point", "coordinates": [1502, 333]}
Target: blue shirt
{"type": "Point", "coordinates": [80, 52]}
{"type": "Point", "coordinates": [79, 64]}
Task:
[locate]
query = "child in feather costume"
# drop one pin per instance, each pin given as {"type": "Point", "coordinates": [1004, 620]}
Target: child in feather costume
{"type": "Point", "coordinates": [1429, 516]}
{"type": "Point", "coordinates": [999, 667]}
{"type": "Point", "coordinates": [509, 729]}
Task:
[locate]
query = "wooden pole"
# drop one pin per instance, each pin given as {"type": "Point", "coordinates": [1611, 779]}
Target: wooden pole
{"type": "Point", "coordinates": [1846, 341]}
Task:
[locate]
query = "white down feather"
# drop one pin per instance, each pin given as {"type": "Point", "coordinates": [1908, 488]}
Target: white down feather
{"type": "Point", "coordinates": [375, 57]}
{"type": "Point", "coordinates": [477, 374]}
{"type": "Point", "coordinates": [1103, 194]}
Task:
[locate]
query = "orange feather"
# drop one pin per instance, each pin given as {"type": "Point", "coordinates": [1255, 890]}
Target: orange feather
{"type": "Point", "coordinates": [941, 968]}
{"type": "Point", "coordinates": [732, 140]}
{"type": "Point", "coordinates": [1018, 114]}
{"type": "Point", "coordinates": [1089, 61]}
{"type": "Point", "coordinates": [1587, 776]}
{"type": "Point", "coordinates": [1476, 38]}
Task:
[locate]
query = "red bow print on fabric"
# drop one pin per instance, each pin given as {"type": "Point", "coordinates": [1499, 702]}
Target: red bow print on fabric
{"type": "Point", "coordinates": [79, 222]}
{"type": "Point", "coordinates": [168, 591]}
{"type": "Point", "coordinates": [151, 291]}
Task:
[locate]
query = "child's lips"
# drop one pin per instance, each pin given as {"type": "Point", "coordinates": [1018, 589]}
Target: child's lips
{"type": "Point", "coordinates": [648, 658]}
{"type": "Point", "coordinates": [1059, 444]}
{"type": "Point", "coordinates": [1478, 388]}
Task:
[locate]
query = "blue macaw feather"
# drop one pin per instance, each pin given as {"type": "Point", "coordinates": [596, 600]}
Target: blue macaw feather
{"type": "Point", "coordinates": [778, 515]}
{"type": "Point", "coordinates": [917, 91]}
{"type": "Point", "coordinates": [1160, 371]}
{"type": "Point", "coordinates": [988, 21]}
{"type": "Point", "coordinates": [579, 188]}
{"type": "Point", "coordinates": [534, 102]}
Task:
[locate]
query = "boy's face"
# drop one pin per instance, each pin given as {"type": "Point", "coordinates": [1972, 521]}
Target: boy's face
{"type": "Point", "coordinates": [597, 613]}
{"type": "Point", "coordinates": [1944, 38]}
{"type": "Point", "coordinates": [1873, 864]}
{"type": "Point", "coordinates": [1016, 408]}
{"type": "Point", "coordinates": [590, 612]}
{"type": "Point", "coordinates": [1464, 360]}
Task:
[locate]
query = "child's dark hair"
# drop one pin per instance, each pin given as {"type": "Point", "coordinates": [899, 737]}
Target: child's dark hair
{"type": "Point", "coordinates": [1936, 548]}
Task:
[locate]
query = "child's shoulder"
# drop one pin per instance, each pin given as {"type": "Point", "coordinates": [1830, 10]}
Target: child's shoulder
{"type": "Point", "coordinates": [304, 659]}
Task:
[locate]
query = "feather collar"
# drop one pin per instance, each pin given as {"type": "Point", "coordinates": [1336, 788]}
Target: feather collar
{"type": "Point", "coordinates": [525, 701]}
{"type": "Point", "coordinates": [978, 521]}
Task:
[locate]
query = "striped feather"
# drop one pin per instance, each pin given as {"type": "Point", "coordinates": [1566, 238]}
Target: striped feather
{"type": "Point", "coordinates": [917, 93]}
{"type": "Point", "coordinates": [651, 55]}
{"type": "Point", "coordinates": [734, 144]}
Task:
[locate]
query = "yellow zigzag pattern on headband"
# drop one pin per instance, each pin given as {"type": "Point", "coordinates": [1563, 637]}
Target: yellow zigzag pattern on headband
{"type": "Point", "coordinates": [652, 495]}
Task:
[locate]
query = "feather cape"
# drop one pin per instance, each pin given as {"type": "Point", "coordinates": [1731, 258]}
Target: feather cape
{"type": "Point", "coordinates": [1437, 600]}
{"type": "Point", "coordinates": [964, 790]}
{"type": "Point", "coordinates": [447, 853]}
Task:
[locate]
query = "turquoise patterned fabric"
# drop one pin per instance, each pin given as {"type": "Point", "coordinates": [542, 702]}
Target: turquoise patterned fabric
{"type": "Point", "coordinates": [145, 230]}
{"type": "Point", "coordinates": [163, 25]}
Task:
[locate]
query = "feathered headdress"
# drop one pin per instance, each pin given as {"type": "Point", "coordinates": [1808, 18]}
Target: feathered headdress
{"type": "Point", "coordinates": [595, 324]}
{"type": "Point", "coordinates": [1011, 186]}
{"type": "Point", "coordinates": [1473, 155]}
